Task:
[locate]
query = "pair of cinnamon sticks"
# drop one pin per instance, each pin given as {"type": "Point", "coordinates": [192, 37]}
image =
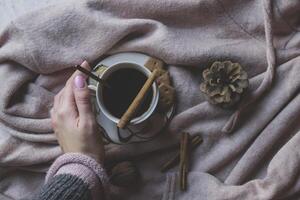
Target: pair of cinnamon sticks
{"type": "Point", "coordinates": [187, 144]}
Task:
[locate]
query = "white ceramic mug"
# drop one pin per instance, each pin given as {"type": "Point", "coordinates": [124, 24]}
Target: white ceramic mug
{"type": "Point", "coordinates": [98, 90]}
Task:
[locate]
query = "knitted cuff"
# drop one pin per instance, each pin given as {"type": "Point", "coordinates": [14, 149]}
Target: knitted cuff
{"type": "Point", "coordinates": [84, 167]}
{"type": "Point", "coordinates": [85, 174]}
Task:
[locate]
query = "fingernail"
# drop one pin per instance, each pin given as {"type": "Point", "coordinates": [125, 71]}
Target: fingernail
{"type": "Point", "coordinates": [84, 62]}
{"type": "Point", "coordinates": [79, 81]}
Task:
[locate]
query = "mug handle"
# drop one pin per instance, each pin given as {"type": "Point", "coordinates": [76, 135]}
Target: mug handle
{"type": "Point", "coordinates": [93, 89]}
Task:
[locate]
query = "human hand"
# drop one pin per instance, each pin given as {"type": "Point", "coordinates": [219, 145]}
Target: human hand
{"type": "Point", "coordinates": [73, 120]}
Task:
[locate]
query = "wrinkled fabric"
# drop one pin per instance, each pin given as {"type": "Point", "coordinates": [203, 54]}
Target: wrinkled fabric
{"type": "Point", "coordinates": [249, 152]}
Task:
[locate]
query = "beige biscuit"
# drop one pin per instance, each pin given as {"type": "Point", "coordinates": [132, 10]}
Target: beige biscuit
{"type": "Point", "coordinates": [153, 63]}
{"type": "Point", "coordinates": [167, 94]}
{"type": "Point", "coordinates": [163, 81]}
{"type": "Point", "coordinates": [164, 78]}
{"type": "Point", "coordinates": [160, 72]}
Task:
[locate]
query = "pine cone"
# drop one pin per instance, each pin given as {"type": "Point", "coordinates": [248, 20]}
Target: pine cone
{"type": "Point", "coordinates": [224, 82]}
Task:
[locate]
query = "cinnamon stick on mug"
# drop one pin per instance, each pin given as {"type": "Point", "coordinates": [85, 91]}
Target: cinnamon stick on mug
{"type": "Point", "coordinates": [127, 116]}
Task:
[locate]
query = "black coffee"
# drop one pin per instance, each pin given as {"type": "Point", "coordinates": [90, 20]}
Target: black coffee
{"type": "Point", "coordinates": [124, 86]}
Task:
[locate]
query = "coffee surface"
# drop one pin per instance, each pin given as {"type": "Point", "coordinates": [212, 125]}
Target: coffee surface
{"type": "Point", "coordinates": [124, 86]}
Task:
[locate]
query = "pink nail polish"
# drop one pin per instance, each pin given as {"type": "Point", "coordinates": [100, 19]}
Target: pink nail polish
{"type": "Point", "coordinates": [79, 81]}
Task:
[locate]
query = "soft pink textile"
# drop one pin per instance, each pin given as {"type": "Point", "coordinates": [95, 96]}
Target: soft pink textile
{"type": "Point", "coordinates": [251, 152]}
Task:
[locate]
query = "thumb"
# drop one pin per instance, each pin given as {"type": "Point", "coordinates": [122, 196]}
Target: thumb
{"type": "Point", "coordinates": [82, 96]}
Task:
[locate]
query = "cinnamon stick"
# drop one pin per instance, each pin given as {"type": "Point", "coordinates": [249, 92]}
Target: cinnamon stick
{"type": "Point", "coordinates": [184, 159]}
{"type": "Point", "coordinates": [127, 116]}
{"type": "Point", "coordinates": [196, 140]}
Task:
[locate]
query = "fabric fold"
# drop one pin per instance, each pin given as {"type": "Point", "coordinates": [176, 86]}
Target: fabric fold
{"type": "Point", "coordinates": [40, 41]}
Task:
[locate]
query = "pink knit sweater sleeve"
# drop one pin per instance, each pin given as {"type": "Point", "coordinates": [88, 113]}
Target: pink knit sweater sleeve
{"type": "Point", "coordinates": [85, 168]}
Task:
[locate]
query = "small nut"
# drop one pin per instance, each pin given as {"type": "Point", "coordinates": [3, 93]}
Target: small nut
{"type": "Point", "coordinates": [124, 174]}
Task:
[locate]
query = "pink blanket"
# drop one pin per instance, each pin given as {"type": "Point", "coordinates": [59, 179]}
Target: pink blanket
{"type": "Point", "coordinates": [248, 153]}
